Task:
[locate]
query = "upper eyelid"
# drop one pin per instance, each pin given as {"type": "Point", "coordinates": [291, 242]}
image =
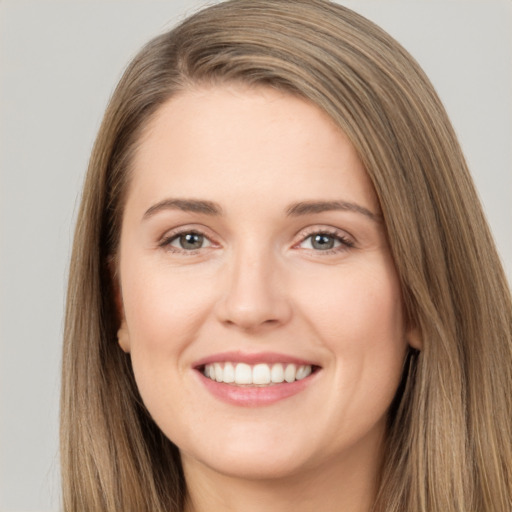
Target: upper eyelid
{"type": "Point", "coordinates": [188, 228]}
{"type": "Point", "coordinates": [164, 241]}
{"type": "Point", "coordinates": [300, 236]}
{"type": "Point", "coordinates": [328, 230]}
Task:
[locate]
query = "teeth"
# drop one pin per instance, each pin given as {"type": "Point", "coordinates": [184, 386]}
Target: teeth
{"type": "Point", "coordinates": [277, 373]}
{"type": "Point", "coordinates": [260, 374]}
{"type": "Point", "coordinates": [303, 372]}
{"type": "Point", "coordinates": [218, 372]}
{"type": "Point", "coordinates": [229, 373]}
{"type": "Point", "coordinates": [290, 372]}
{"type": "Point", "coordinates": [243, 374]}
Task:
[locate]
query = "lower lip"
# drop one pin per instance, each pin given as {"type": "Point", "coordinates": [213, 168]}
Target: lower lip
{"type": "Point", "coordinates": [249, 396]}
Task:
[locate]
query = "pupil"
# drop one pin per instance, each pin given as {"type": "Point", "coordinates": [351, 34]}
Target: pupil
{"type": "Point", "coordinates": [323, 242]}
{"type": "Point", "coordinates": [191, 241]}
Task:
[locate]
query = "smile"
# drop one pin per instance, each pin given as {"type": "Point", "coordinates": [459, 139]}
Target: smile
{"type": "Point", "coordinates": [254, 380]}
{"type": "Point", "coordinates": [261, 374]}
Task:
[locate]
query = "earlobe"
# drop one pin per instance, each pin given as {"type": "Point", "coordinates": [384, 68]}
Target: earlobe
{"type": "Point", "coordinates": [414, 338]}
{"type": "Point", "coordinates": [123, 337]}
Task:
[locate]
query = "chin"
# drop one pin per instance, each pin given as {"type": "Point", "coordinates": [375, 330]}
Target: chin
{"type": "Point", "coordinates": [261, 466]}
{"type": "Point", "coordinates": [253, 456]}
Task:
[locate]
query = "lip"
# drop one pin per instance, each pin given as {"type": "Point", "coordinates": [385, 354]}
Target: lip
{"type": "Point", "coordinates": [251, 358]}
{"type": "Point", "coordinates": [253, 396]}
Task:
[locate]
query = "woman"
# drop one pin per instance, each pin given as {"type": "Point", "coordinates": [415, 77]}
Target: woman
{"type": "Point", "coordinates": [283, 292]}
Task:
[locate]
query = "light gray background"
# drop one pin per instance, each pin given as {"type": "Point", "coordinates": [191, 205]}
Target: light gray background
{"type": "Point", "coordinates": [59, 62]}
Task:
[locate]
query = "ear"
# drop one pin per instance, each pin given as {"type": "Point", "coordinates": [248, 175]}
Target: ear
{"type": "Point", "coordinates": [123, 337]}
{"type": "Point", "coordinates": [414, 339]}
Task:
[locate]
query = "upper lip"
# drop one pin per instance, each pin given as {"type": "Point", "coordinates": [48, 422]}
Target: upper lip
{"type": "Point", "coordinates": [251, 358]}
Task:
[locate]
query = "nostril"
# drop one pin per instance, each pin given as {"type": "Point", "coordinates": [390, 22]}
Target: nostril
{"type": "Point", "coordinates": [251, 323]}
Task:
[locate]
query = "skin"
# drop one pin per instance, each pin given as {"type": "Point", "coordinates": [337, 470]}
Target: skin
{"type": "Point", "coordinates": [257, 284]}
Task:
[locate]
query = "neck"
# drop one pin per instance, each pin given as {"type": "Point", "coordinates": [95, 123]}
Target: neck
{"type": "Point", "coordinates": [350, 486]}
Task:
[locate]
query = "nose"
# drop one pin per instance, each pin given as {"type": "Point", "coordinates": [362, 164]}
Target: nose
{"type": "Point", "coordinates": [255, 294]}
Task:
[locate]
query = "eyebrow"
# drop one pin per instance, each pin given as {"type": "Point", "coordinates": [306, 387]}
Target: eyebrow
{"type": "Point", "coordinates": [312, 207]}
{"type": "Point", "coordinates": [186, 205]}
{"type": "Point", "coordinates": [294, 210]}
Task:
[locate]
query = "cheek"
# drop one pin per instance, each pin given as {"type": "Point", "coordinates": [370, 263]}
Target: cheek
{"type": "Point", "coordinates": [164, 311]}
{"type": "Point", "coordinates": [360, 322]}
{"type": "Point", "coordinates": [359, 319]}
{"type": "Point", "coordinates": [356, 310]}
{"type": "Point", "coordinates": [163, 308]}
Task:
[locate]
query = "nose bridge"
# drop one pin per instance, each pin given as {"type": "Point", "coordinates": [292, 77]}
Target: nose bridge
{"type": "Point", "coordinates": [254, 294]}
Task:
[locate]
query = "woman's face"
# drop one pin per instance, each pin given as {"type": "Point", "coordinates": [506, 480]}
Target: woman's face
{"type": "Point", "coordinates": [253, 253]}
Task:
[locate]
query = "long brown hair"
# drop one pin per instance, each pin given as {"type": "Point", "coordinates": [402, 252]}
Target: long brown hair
{"type": "Point", "coordinates": [449, 443]}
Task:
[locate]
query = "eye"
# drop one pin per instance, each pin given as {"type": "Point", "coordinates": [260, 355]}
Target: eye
{"type": "Point", "coordinates": [322, 241]}
{"type": "Point", "coordinates": [186, 241]}
{"type": "Point", "coordinates": [326, 242]}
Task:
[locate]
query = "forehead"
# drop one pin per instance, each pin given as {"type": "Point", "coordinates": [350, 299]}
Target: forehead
{"type": "Point", "coordinates": [225, 142]}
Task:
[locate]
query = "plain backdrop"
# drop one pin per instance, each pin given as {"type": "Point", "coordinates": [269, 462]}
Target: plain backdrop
{"type": "Point", "coordinates": [59, 62]}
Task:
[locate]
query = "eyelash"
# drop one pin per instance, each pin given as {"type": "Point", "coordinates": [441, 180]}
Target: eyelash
{"type": "Point", "coordinates": [344, 242]}
{"type": "Point", "coordinates": [165, 243]}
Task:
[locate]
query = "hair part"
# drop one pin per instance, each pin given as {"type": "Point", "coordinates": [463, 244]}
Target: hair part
{"type": "Point", "coordinates": [449, 437]}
